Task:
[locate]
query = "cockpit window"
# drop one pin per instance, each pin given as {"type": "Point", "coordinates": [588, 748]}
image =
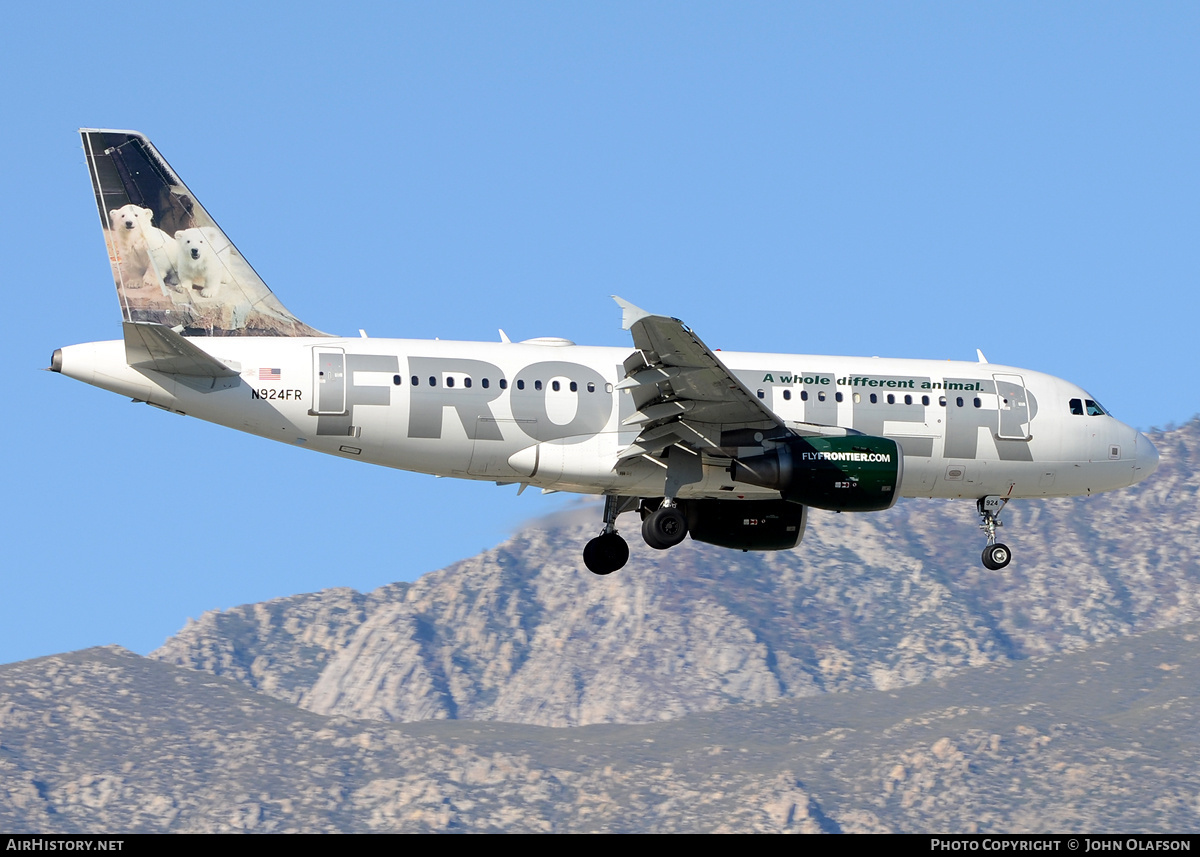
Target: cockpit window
{"type": "Point", "coordinates": [1090, 407]}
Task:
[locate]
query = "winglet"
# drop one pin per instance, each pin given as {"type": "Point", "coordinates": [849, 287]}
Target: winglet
{"type": "Point", "coordinates": [630, 314]}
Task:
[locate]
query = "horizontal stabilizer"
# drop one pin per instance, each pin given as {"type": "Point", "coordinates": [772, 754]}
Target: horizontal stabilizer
{"type": "Point", "coordinates": [153, 346]}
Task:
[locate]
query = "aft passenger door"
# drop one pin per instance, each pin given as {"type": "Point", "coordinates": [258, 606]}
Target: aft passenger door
{"type": "Point", "coordinates": [329, 381]}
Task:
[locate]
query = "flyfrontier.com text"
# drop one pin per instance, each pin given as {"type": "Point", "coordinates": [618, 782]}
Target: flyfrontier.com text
{"type": "Point", "coordinates": [845, 456]}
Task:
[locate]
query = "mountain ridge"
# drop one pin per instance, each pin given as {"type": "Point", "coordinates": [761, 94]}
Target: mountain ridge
{"type": "Point", "coordinates": [523, 633]}
{"type": "Point", "coordinates": [877, 679]}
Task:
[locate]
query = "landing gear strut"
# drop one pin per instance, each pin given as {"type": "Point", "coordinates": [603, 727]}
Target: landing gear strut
{"type": "Point", "coordinates": [608, 551]}
{"type": "Point", "coordinates": [996, 555]}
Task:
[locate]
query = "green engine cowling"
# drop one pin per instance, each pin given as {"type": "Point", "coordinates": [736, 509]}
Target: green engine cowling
{"type": "Point", "coordinates": [859, 473]}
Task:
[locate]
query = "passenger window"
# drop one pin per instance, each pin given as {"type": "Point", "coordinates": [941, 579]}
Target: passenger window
{"type": "Point", "coordinates": [503, 383]}
{"type": "Point", "coordinates": [891, 399]}
{"type": "Point", "coordinates": [416, 382]}
{"type": "Point", "coordinates": [820, 395]}
{"type": "Point", "coordinates": [432, 381]}
{"type": "Point", "coordinates": [978, 403]}
{"type": "Point", "coordinates": [908, 400]}
{"type": "Point", "coordinates": [591, 386]}
{"type": "Point", "coordinates": [484, 383]}
{"type": "Point", "coordinates": [761, 395]}
{"type": "Point", "coordinates": [874, 399]}
{"type": "Point", "coordinates": [787, 395]}
{"type": "Point", "coordinates": [537, 385]}
{"type": "Point", "coordinates": [804, 395]}
{"type": "Point", "coordinates": [466, 382]}
{"type": "Point", "coordinates": [942, 401]}
{"type": "Point", "coordinates": [1077, 407]}
{"type": "Point", "coordinates": [450, 381]}
{"type": "Point", "coordinates": [554, 385]}
{"type": "Point", "coordinates": [574, 387]}
{"type": "Point", "coordinates": [396, 380]}
{"type": "Point", "coordinates": [520, 384]}
{"type": "Point", "coordinates": [959, 401]}
{"type": "Point", "coordinates": [837, 397]}
{"type": "Point", "coordinates": [857, 398]}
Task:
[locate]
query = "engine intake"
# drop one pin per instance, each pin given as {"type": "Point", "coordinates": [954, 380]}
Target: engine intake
{"type": "Point", "coordinates": [842, 474]}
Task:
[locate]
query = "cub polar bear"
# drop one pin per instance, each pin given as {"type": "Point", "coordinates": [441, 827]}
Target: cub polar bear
{"type": "Point", "coordinates": [199, 266]}
{"type": "Point", "coordinates": [147, 254]}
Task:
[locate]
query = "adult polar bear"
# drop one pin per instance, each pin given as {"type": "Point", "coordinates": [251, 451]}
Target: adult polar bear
{"type": "Point", "coordinates": [147, 255]}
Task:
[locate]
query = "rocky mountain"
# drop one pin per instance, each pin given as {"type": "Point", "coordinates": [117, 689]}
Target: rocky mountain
{"type": "Point", "coordinates": [523, 633]}
{"type": "Point", "coordinates": [877, 678]}
{"type": "Point", "coordinates": [1103, 739]}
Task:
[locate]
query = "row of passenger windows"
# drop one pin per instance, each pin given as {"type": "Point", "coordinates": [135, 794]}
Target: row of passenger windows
{"type": "Point", "coordinates": [485, 383]}
{"type": "Point", "coordinates": [787, 395]}
{"type": "Point", "coordinates": [874, 398]}
{"type": "Point", "coordinates": [1079, 407]}
{"type": "Point", "coordinates": [1092, 408]}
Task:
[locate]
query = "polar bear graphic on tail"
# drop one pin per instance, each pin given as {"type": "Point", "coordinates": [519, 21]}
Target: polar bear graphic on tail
{"type": "Point", "coordinates": [199, 266]}
{"type": "Point", "coordinates": [148, 256]}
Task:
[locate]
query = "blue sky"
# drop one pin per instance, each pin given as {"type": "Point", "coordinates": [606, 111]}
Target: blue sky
{"type": "Point", "coordinates": [915, 179]}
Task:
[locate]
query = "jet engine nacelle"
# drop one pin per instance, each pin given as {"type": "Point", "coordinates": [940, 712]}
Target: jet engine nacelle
{"type": "Point", "coordinates": [842, 474]}
{"type": "Point", "coordinates": [763, 525]}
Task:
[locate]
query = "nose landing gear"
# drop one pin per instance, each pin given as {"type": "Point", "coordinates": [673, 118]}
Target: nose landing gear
{"type": "Point", "coordinates": [996, 555]}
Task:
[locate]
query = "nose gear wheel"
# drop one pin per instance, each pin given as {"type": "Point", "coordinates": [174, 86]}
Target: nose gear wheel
{"type": "Point", "coordinates": [996, 555]}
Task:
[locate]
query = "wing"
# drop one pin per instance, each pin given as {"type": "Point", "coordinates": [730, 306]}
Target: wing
{"type": "Point", "coordinates": [685, 395]}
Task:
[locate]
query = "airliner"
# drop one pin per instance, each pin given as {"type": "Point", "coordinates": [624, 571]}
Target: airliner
{"type": "Point", "coordinates": [731, 448]}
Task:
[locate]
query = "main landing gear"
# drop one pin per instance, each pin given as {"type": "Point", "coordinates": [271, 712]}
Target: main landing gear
{"type": "Point", "coordinates": [663, 526]}
{"type": "Point", "coordinates": [996, 555]}
{"type": "Point", "coordinates": [608, 551]}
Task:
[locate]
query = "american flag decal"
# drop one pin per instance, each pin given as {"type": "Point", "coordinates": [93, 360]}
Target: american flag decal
{"type": "Point", "coordinates": [268, 374]}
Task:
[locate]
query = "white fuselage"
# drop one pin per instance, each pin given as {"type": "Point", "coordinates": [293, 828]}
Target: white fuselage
{"type": "Point", "coordinates": [548, 414]}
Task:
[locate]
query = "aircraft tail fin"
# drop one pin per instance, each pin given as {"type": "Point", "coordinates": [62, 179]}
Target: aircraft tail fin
{"type": "Point", "coordinates": [171, 263]}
